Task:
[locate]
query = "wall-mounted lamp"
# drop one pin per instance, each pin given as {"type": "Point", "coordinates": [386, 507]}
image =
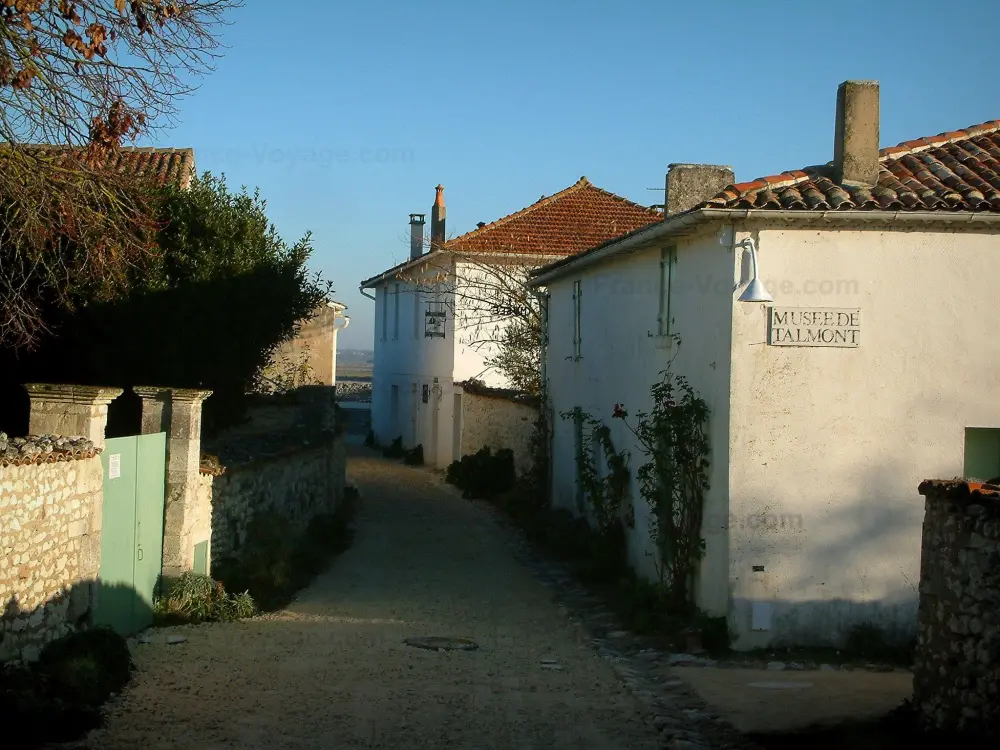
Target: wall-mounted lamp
{"type": "Point", "coordinates": [755, 291]}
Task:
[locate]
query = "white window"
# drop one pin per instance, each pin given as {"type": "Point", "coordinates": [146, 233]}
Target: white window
{"type": "Point", "coordinates": [395, 312]}
{"type": "Point", "coordinates": [668, 260]}
{"type": "Point", "coordinates": [385, 312]}
{"type": "Point", "coordinates": [577, 330]}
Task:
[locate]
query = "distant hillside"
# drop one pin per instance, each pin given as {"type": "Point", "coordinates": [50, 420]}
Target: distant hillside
{"type": "Point", "coordinates": [355, 356]}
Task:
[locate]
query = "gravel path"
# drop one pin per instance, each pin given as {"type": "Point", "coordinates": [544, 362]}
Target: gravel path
{"type": "Point", "coordinates": [332, 671]}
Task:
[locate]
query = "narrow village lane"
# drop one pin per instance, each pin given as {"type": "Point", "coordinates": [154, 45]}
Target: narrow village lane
{"type": "Point", "coordinates": [333, 672]}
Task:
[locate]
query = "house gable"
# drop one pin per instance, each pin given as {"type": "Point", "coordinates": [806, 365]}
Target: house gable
{"type": "Point", "coordinates": [553, 227]}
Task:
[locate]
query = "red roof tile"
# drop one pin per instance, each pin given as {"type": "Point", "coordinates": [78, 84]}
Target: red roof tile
{"type": "Point", "coordinates": [572, 220]}
{"type": "Point", "coordinates": [956, 171]}
{"type": "Point", "coordinates": [163, 165]}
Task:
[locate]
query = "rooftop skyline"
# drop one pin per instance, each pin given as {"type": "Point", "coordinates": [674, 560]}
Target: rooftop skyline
{"type": "Point", "coordinates": [348, 130]}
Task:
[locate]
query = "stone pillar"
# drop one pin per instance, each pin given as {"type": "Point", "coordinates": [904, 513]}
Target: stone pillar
{"type": "Point", "coordinates": [956, 665]}
{"type": "Point", "coordinates": [70, 410]}
{"type": "Point", "coordinates": [187, 515]}
{"type": "Point", "coordinates": [155, 409]}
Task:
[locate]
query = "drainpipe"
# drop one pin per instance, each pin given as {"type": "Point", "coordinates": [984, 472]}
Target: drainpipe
{"type": "Point", "coordinates": [365, 294]}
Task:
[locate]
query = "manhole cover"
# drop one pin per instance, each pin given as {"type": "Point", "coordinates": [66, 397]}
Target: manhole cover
{"type": "Point", "coordinates": [437, 643]}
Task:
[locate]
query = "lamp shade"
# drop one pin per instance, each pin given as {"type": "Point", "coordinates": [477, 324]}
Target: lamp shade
{"type": "Point", "coordinates": [755, 292]}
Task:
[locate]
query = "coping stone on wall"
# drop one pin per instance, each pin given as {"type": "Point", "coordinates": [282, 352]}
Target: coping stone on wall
{"type": "Point", "coordinates": [478, 388]}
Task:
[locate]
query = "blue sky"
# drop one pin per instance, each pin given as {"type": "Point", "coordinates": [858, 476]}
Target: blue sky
{"type": "Point", "coordinates": [346, 115]}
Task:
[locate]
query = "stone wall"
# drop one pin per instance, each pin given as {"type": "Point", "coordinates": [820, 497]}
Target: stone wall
{"type": "Point", "coordinates": [498, 422]}
{"type": "Point", "coordinates": [50, 545]}
{"type": "Point", "coordinates": [297, 483]}
{"type": "Point", "coordinates": [315, 345]}
{"type": "Point", "coordinates": [956, 677]}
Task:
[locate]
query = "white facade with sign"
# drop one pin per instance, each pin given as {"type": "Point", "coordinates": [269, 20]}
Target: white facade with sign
{"type": "Point", "coordinates": [828, 406]}
{"type": "Point", "coordinates": [420, 354]}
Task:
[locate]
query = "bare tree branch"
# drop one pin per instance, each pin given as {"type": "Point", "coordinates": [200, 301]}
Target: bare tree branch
{"type": "Point", "coordinates": [88, 75]}
{"type": "Point", "coordinates": [494, 310]}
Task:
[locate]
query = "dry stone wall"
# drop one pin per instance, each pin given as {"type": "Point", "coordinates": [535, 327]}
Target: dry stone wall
{"type": "Point", "coordinates": [297, 484]}
{"type": "Point", "coordinates": [957, 667]}
{"type": "Point", "coordinates": [51, 495]}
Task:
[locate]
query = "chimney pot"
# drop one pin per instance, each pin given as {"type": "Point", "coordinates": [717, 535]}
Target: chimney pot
{"type": "Point", "coordinates": [438, 215]}
{"type": "Point", "coordinates": [687, 185]}
{"type": "Point", "coordinates": [856, 140]}
{"type": "Point", "coordinates": [416, 235]}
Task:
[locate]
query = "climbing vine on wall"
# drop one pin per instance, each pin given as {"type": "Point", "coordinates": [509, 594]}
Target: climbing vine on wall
{"type": "Point", "coordinates": [605, 491]}
{"type": "Point", "coordinates": [674, 478]}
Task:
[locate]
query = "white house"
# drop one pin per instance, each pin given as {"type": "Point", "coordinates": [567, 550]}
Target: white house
{"type": "Point", "coordinates": [429, 337]}
{"type": "Point", "coordinates": [875, 366]}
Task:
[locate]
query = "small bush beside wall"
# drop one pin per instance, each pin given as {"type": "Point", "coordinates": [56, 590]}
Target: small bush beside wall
{"type": "Point", "coordinates": [276, 563]}
{"type": "Point", "coordinates": [483, 475]}
{"type": "Point", "coordinates": [198, 598]}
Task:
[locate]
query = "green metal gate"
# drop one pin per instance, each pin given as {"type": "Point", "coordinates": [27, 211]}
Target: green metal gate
{"type": "Point", "coordinates": [132, 531]}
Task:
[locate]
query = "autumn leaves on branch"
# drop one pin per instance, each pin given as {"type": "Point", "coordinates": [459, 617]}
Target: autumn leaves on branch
{"type": "Point", "coordinates": [87, 76]}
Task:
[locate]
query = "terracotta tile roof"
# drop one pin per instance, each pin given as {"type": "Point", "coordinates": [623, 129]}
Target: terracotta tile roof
{"type": "Point", "coordinates": [572, 220]}
{"type": "Point", "coordinates": [960, 488]}
{"type": "Point", "coordinates": [956, 171]}
{"type": "Point", "coordinates": [163, 165]}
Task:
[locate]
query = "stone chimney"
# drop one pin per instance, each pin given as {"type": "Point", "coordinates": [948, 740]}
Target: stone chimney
{"type": "Point", "coordinates": [855, 145]}
{"type": "Point", "coordinates": [438, 213]}
{"type": "Point", "coordinates": [416, 235]}
{"type": "Point", "coordinates": [690, 184]}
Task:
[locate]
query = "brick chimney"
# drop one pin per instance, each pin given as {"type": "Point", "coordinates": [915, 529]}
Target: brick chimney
{"type": "Point", "coordinates": [688, 185]}
{"type": "Point", "coordinates": [438, 213]}
{"type": "Point", "coordinates": [416, 235]}
{"type": "Point", "coordinates": [855, 144]}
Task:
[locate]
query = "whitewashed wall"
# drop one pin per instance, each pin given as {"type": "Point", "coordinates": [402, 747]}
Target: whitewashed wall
{"type": "Point", "coordinates": [409, 361]}
{"type": "Point", "coordinates": [816, 452]}
{"type": "Point", "coordinates": [405, 358]}
{"type": "Point", "coordinates": [470, 353]}
{"type": "Point", "coordinates": [828, 445]}
{"type": "Point", "coordinates": [498, 423]}
{"type": "Point", "coordinates": [622, 357]}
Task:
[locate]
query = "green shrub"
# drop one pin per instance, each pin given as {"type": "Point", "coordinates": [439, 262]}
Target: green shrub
{"type": "Point", "coordinates": [395, 449]}
{"type": "Point", "coordinates": [483, 475]}
{"type": "Point", "coordinates": [869, 641]}
{"type": "Point", "coordinates": [221, 267]}
{"type": "Point", "coordinates": [198, 598]}
{"type": "Point", "coordinates": [716, 635]}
